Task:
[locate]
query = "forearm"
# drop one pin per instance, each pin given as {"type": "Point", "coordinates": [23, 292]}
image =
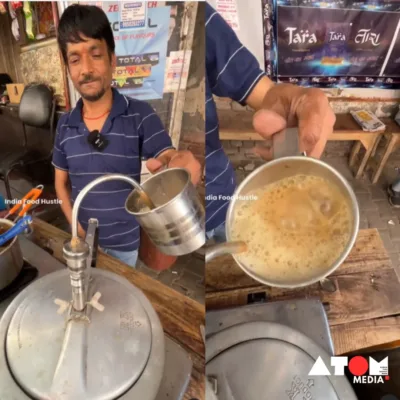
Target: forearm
{"type": "Point", "coordinates": [63, 192]}
{"type": "Point", "coordinates": [257, 95]}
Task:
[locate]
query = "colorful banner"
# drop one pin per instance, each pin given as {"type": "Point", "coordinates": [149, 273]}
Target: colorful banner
{"type": "Point", "coordinates": [141, 40]}
{"type": "Point", "coordinates": [332, 44]}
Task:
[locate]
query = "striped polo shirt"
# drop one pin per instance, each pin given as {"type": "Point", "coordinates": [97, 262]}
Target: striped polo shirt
{"type": "Point", "coordinates": [134, 132]}
{"type": "Point", "coordinates": [231, 71]}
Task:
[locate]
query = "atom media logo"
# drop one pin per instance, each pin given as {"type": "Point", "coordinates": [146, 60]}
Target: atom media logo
{"type": "Point", "coordinates": [378, 372]}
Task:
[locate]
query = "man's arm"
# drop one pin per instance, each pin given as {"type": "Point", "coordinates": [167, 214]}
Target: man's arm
{"type": "Point", "coordinates": [63, 191]}
{"type": "Point", "coordinates": [157, 148]}
{"type": "Point", "coordinates": [232, 71]}
{"type": "Point", "coordinates": [257, 95]}
{"type": "Point", "coordinates": [61, 183]}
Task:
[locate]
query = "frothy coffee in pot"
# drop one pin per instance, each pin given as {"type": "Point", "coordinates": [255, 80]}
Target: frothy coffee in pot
{"type": "Point", "coordinates": [296, 227]}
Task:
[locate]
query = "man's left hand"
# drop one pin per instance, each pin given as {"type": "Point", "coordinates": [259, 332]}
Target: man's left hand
{"type": "Point", "coordinates": [176, 159]}
{"type": "Point", "coordinates": [286, 106]}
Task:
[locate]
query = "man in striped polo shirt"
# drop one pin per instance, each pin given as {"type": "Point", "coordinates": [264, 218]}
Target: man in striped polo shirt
{"type": "Point", "coordinates": [131, 127]}
{"type": "Point", "coordinates": [233, 72]}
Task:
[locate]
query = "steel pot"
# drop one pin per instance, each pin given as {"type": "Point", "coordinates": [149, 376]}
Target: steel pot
{"type": "Point", "coordinates": [11, 260]}
{"type": "Point", "coordinates": [286, 164]}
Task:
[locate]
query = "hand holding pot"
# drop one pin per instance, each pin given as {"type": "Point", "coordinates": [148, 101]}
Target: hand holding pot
{"type": "Point", "coordinates": [176, 159]}
{"type": "Point", "coordinates": [288, 105]}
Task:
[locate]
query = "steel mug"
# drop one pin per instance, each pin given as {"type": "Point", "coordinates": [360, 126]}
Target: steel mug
{"type": "Point", "coordinates": [177, 224]}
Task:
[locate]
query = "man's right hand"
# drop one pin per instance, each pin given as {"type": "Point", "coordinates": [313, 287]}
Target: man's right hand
{"type": "Point", "coordinates": [288, 105]}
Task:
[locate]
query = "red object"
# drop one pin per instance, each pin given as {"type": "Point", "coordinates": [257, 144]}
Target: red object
{"type": "Point", "coordinates": [17, 4]}
{"type": "Point", "coordinates": [151, 256]}
{"type": "Point", "coordinates": [358, 366]}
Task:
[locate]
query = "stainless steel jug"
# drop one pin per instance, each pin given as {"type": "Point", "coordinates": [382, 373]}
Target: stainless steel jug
{"type": "Point", "coordinates": [177, 224]}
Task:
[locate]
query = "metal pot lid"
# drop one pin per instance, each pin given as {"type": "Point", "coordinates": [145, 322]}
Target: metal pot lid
{"type": "Point", "coordinates": [101, 358]}
{"type": "Point", "coordinates": [252, 360]}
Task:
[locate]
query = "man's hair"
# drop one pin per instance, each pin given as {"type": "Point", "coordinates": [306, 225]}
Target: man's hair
{"type": "Point", "coordinates": [81, 20]}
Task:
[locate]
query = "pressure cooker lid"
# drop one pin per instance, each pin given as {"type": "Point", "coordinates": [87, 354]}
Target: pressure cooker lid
{"type": "Point", "coordinates": [267, 360]}
{"type": "Point", "coordinates": [100, 358]}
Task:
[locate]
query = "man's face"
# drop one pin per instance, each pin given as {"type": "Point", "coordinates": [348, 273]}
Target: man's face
{"type": "Point", "coordinates": [90, 67]}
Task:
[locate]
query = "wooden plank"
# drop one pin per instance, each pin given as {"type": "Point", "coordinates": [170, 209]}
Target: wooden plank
{"type": "Point", "coordinates": [239, 126]}
{"type": "Point", "coordinates": [366, 336]}
{"type": "Point", "coordinates": [180, 316]}
{"type": "Point", "coordinates": [367, 255]}
{"type": "Point", "coordinates": [358, 296]}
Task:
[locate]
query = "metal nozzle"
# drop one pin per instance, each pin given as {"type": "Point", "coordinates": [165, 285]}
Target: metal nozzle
{"type": "Point", "coordinates": [76, 256]}
{"type": "Point", "coordinates": [77, 252]}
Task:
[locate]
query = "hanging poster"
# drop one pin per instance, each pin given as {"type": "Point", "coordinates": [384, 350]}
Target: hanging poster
{"type": "Point", "coordinates": [177, 70]}
{"type": "Point", "coordinates": [141, 53]}
{"type": "Point", "coordinates": [331, 44]}
{"type": "Point", "coordinates": [392, 67]}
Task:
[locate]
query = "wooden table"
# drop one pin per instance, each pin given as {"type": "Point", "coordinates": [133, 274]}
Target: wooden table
{"type": "Point", "coordinates": [181, 317]}
{"type": "Point", "coordinates": [362, 312]}
{"type": "Point", "coordinates": [238, 126]}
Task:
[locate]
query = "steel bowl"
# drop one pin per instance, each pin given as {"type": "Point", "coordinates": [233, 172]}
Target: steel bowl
{"type": "Point", "coordinates": [274, 171]}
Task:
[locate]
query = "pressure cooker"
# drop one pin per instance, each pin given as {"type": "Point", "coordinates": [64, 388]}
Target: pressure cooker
{"type": "Point", "coordinates": [81, 333]}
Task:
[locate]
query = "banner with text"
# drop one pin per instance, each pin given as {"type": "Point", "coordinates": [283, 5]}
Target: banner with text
{"type": "Point", "coordinates": [141, 40]}
{"type": "Point", "coordinates": [325, 44]}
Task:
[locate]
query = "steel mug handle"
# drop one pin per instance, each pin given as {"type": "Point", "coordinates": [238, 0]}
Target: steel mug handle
{"type": "Point", "coordinates": [224, 248]}
{"type": "Point", "coordinates": [286, 143]}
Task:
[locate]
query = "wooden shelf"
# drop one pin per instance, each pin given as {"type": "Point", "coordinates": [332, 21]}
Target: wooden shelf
{"type": "Point", "coordinates": [238, 126]}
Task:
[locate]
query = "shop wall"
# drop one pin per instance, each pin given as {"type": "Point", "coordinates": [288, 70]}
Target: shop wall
{"type": "Point", "coordinates": [9, 51]}
{"type": "Point", "coordinates": [43, 65]}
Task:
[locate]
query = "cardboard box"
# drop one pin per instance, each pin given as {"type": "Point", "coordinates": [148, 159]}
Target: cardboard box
{"type": "Point", "coordinates": [15, 91]}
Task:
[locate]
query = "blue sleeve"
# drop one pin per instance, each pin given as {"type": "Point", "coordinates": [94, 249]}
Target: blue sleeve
{"type": "Point", "coordinates": [232, 70]}
{"type": "Point", "coordinates": [154, 137]}
{"type": "Point", "coordinates": [59, 157]}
